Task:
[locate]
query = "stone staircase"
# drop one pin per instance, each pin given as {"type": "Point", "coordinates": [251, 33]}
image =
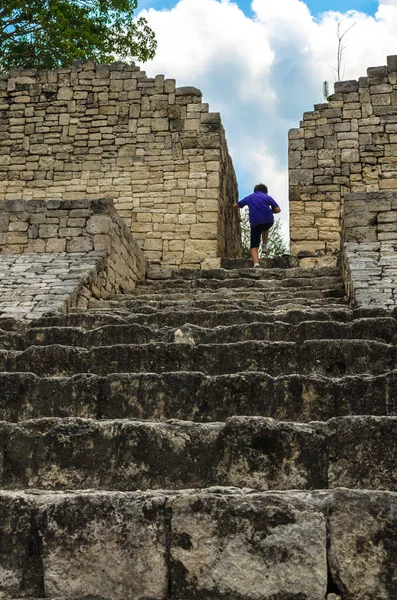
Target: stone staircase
{"type": "Point", "coordinates": [223, 434]}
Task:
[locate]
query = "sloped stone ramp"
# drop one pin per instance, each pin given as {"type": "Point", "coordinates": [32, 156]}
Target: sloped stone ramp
{"type": "Point", "coordinates": [34, 284]}
{"type": "Point", "coordinates": [225, 434]}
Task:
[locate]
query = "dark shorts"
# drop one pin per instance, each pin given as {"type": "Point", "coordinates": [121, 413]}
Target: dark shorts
{"type": "Point", "coordinates": [256, 232]}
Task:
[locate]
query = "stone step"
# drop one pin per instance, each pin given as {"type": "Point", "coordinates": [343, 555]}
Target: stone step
{"type": "Point", "coordinates": [244, 452]}
{"type": "Point", "coordinates": [174, 285]}
{"type": "Point", "coordinates": [125, 306]}
{"type": "Point", "coordinates": [278, 262]}
{"type": "Point", "coordinates": [134, 455]}
{"type": "Point", "coordinates": [332, 358]}
{"type": "Point", "coordinates": [175, 316]}
{"type": "Point", "coordinates": [154, 273]}
{"type": "Point", "coordinates": [240, 294]}
{"type": "Point", "coordinates": [196, 397]}
{"type": "Point", "coordinates": [124, 546]}
{"type": "Point", "coordinates": [381, 329]}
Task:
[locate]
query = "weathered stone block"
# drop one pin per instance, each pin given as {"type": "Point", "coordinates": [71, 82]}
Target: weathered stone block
{"type": "Point", "coordinates": [381, 99]}
{"type": "Point", "coordinates": [55, 245]}
{"type": "Point", "coordinates": [263, 444]}
{"type": "Point", "coordinates": [301, 177]}
{"type": "Point", "coordinates": [362, 544]}
{"type": "Point", "coordinates": [79, 244]}
{"type": "Point", "coordinates": [294, 159]}
{"type": "Point", "coordinates": [314, 143]}
{"type": "Point", "coordinates": [4, 220]}
{"type": "Point", "coordinates": [200, 249]}
{"type": "Point", "coordinates": [169, 86]}
{"type": "Point", "coordinates": [17, 238]}
{"type": "Point", "coordinates": [350, 155]}
{"type": "Point", "coordinates": [354, 113]}
{"type": "Point", "coordinates": [39, 149]}
{"type": "Point", "coordinates": [388, 184]}
{"type": "Point", "coordinates": [99, 544]}
{"type": "Point", "coordinates": [364, 461]}
{"type": "Point", "coordinates": [281, 537]}
{"type": "Point", "coordinates": [15, 535]}
{"type": "Point", "coordinates": [323, 130]}
{"type": "Point", "coordinates": [331, 113]}
{"type": "Point", "coordinates": [392, 63]}
{"type": "Point", "coordinates": [65, 93]}
{"type": "Point", "coordinates": [99, 224]}
{"type": "Point", "coordinates": [207, 204]}
{"type": "Point", "coordinates": [158, 124]}
{"type": "Point", "coordinates": [153, 244]}
{"type": "Point", "coordinates": [70, 231]}
{"type": "Point", "coordinates": [377, 73]}
{"type": "Point", "coordinates": [296, 134]}
{"type": "Point", "coordinates": [346, 86]}
{"type": "Point", "coordinates": [188, 91]}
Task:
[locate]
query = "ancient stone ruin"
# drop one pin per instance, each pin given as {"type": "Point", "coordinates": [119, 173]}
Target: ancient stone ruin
{"type": "Point", "coordinates": [176, 425]}
{"type": "Point", "coordinates": [107, 131]}
{"type": "Point", "coordinates": [343, 184]}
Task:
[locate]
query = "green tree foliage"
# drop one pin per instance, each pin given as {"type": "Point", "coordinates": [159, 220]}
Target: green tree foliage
{"type": "Point", "coordinates": [276, 244]}
{"type": "Point", "coordinates": [48, 34]}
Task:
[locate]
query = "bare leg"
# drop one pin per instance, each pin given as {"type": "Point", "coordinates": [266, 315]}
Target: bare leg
{"type": "Point", "coordinates": [254, 254]}
{"type": "Point", "coordinates": [265, 236]}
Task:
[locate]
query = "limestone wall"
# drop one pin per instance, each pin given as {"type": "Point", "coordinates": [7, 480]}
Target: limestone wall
{"type": "Point", "coordinates": [57, 254]}
{"type": "Point", "coordinates": [107, 131]}
{"type": "Point", "coordinates": [369, 248]}
{"type": "Point", "coordinates": [347, 145]}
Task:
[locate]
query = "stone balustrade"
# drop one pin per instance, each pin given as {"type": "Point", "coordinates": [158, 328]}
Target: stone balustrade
{"type": "Point", "coordinates": [58, 254]}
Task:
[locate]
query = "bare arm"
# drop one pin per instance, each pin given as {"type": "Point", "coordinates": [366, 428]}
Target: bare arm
{"type": "Point", "coordinates": [276, 210]}
{"type": "Point", "coordinates": [236, 210]}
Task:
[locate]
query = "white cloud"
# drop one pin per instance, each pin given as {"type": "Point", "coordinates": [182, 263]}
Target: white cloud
{"type": "Point", "coordinates": [197, 34]}
{"type": "Point", "coordinates": [288, 11]}
{"type": "Point", "coordinates": [262, 73]}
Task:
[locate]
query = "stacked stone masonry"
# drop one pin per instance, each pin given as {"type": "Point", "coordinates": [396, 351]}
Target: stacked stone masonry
{"type": "Point", "coordinates": [58, 254]}
{"type": "Point", "coordinates": [348, 145]}
{"type": "Point", "coordinates": [107, 131]}
{"type": "Point", "coordinates": [369, 248]}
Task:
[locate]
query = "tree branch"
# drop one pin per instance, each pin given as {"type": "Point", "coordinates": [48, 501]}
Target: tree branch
{"type": "Point", "coordinates": [34, 28]}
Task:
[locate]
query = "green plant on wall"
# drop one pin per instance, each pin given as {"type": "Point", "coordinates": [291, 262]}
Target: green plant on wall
{"type": "Point", "coordinates": [47, 34]}
{"type": "Point", "coordinates": [326, 93]}
{"type": "Point", "coordinates": [276, 244]}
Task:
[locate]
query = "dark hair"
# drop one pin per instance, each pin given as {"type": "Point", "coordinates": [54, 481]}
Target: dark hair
{"type": "Point", "coordinates": [261, 187]}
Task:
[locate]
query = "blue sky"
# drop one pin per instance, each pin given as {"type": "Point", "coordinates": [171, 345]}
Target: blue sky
{"type": "Point", "coordinates": [319, 6]}
{"type": "Point", "coordinates": [315, 6]}
{"type": "Point", "coordinates": [262, 63]}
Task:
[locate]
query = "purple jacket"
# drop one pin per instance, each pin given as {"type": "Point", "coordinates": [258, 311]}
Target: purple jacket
{"type": "Point", "coordinates": [260, 208]}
